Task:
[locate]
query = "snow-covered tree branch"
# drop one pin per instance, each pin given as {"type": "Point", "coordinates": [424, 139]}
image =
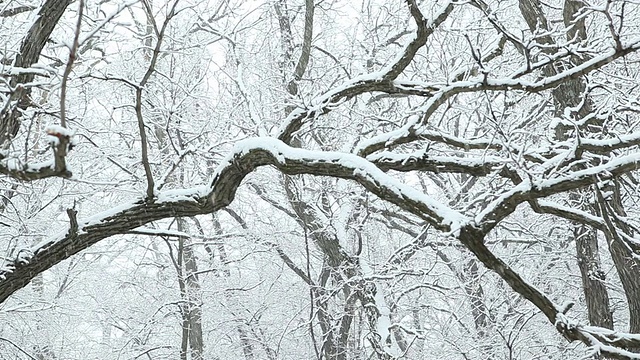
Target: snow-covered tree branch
{"type": "Point", "coordinates": [300, 179]}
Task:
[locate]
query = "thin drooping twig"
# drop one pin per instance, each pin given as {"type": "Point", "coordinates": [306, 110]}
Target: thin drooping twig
{"type": "Point", "coordinates": [72, 57]}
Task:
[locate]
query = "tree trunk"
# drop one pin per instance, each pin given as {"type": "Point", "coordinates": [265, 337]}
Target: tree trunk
{"type": "Point", "coordinates": [626, 263]}
{"type": "Point", "coordinates": [570, 94]}
{"type": "Point", "coordinates": [245, 340]}
{"type": "Point", "coordinates": [191, 295]}
{"type": "Point", "coordinates": [593, 277]}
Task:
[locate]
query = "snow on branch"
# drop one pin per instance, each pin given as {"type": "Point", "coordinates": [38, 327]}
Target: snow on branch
{"type": "Point", "coordinates": [612, 344]}
{"type": "Point", "coordinates": [380, 81]}
{"type": "Point", "coordinates": [531, 189]}
{"type": "Point", "coordinates": [47, 19]}
{"type": "Point", "coordinates": [245, 158]}
{"type": "Point", "coordinates": [248, 155]}
{"type": "Point", "coordinates": [16, 169]}
{"type": "Point", "coordinates": [60, 140]}
{"type": "Point", "coordinates": [583, 217]}
{"type": "Point", "coordinates": [7, 70]}
{"type": "Point", "coordinates": [422, 161]}
{"type": "Point", "coordinates": [615, 143]}
{"type": "Point", "coordinates": [425, 29]}
{"type": "Point", "coordinates": [251, 153]}
{"type": "Point", "coordinates": [324, 103]}
{"type": "Point", "coordinates": [438, 94]}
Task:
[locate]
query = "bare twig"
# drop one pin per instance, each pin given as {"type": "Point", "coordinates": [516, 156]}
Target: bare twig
{"type": "Point", "coordinates": [19, 348]}
{"type": "Point", "coordinates": [139, 89]}
{"type": "Point", "coordinates": [67, 70]}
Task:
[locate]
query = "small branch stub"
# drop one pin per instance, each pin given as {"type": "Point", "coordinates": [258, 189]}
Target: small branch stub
{"type": "Point", "coordinates": [60, 140]}
{"type": "Point", "coordinates": [73, 221]}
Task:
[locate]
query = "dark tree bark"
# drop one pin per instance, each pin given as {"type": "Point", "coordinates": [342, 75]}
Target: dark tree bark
{"type": "Point", "coordinates": [469, 227]}
{"type": "Point", "coordinates": [570, 95]}
{"type": "Point", "coordinates": [29, 53]}
{"type": "Point", "coordinates": [191, 298]}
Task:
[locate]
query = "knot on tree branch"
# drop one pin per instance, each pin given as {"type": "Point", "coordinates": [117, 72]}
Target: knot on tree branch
{"type": "Point", "coordinates": [73, 222]}
{"type": "Point", "coordinates": [23, 257]}
{"type": "Point", "coordinates": [566, 327]}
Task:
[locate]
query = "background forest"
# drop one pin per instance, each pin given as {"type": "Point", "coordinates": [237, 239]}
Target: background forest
{"type": "Point", "coordinates": [319, 179]}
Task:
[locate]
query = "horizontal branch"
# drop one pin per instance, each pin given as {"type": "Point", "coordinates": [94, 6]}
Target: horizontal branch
{"type": "Point", "coordinates": [60, 141]}
{"type": "Point", "coordinates": [246, 157]}
{"type": "Point", "coordinates": [529, 190]}
{"type": "Point", "coordinates": [250, 154]}
{"type": "Point", "coordinates": [29, 172]}
{"type": "Point", "coordinates": [440, 94]}
{"type": "Point", "coordinates": [607, 145]}
{"type": "Point", "coordinates": [16, 10]}
{"type": "Point", "coordinates": [421, 161]}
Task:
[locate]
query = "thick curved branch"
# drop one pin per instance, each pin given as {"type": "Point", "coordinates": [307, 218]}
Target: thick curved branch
{"type": "Point", "coordinates": [120, 220]}
{"type": "Point", "coordinates": [251, 154]}
{"type": "Point", "coordinates": [246, 157]}
{"type": "Point", "coordinates": [29, 53]}
{"type": "Point", "coordinates": [601, 146]}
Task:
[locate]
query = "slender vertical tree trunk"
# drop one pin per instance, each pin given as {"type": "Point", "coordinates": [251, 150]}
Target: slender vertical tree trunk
{"type": "Point", "coordinates": [248, 349]}
{"type": "Point", "coordinates": [191, 295]}
{"type": "Point", "coordinates": [593, 277]}
{"type": "Point", "coordinates": [626, 263]}
{"type": "Point", "coordinates": [570, 94]}
{"type": "Point", "coordinates": [194, 298]}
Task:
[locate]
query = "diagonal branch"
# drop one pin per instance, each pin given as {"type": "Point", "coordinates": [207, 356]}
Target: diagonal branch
{"type": "Point", "coordinates": [529, 190]}
{"type": "Point", "coordinates": [424, 31]}
{"type": "Point", "coordinates": [29, 53]}
{"type": "Point", "coordinates": [381, 81]}
{"type": "Point", "coordinates": [577, 215]}
{"type": "Point", "coordinates": [250, 154]}
{"type": "Point", "coordinates": [247, 156]}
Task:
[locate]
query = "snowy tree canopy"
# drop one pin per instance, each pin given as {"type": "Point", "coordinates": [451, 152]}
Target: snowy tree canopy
{"type": "Point", "coordinates": [332, 180]}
